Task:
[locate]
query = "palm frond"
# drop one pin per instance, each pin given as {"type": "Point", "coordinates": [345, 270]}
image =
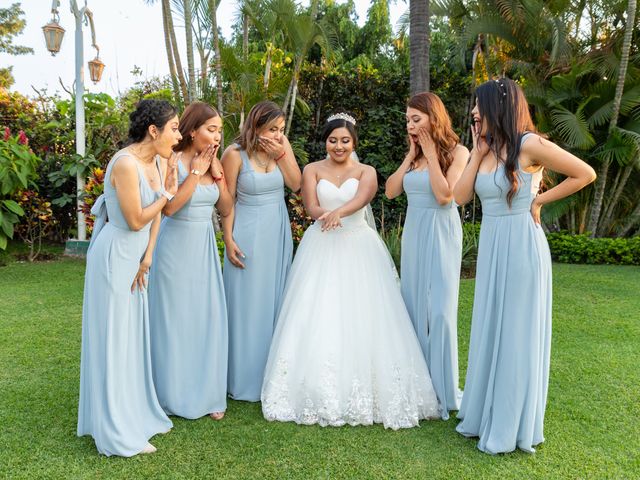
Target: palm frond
{"type": "Point", "coordinates": [572, 128]}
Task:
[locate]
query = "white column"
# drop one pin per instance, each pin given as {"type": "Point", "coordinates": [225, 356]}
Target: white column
{"type": "Point", "coordinates": [80, 138]}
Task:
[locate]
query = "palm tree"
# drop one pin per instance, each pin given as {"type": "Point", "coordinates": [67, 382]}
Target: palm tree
{"type": "Point", "coordinates": [213, 8]}
{"type": "Point", "coordinates": [576, 109]}
{"type": "Point", "coordinates": [177, 79]}
{"type": "Point", "coordinates": [203, 39]}
{"type": "Point", "coordinates": [188, 29]}
{"type": "Point", "coordinates": [419, 46]}
{"type": "Point", "coordinates": [303, 31]}
{"type": "Point", "coordinates": [168, 21]}
{"type": "Point", "coordinates": [603, 171]}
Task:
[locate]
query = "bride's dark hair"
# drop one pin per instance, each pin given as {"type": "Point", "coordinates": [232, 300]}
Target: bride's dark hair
{"type": "Point", "coordinates": [340, 123]}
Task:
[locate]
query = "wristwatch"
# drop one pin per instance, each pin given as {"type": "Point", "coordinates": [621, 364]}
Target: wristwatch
{"type": "Point", "coordinates": [196, 172]}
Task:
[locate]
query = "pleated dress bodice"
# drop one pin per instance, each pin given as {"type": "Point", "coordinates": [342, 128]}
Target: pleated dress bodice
{"type": "Point", "coordinates": [147, 196]}
{"type": "Point", "coordinates": [417, 186]}
{"type": "Point", "coordinates": [259, 188]}
{"type": "Point", "coordinates": [331, 196]}
{"type": "Point", "coordinates": [199, 208]}
{"type": "Point", "coordinates": [492, 189]}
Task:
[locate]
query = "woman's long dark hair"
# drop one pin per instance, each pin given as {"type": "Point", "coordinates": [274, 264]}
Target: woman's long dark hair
{"type": "Point", "coordinates": [504, 109]}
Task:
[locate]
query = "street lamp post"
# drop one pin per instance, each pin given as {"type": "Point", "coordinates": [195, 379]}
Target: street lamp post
{"type": "Point", "coordinates": [54, 33]}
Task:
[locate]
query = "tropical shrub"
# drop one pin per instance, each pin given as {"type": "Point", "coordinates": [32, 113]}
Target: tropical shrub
{"type": "Point", "coordinates": [18, 166]}
{"type": "Point", "coordinates": [567, 248]}
{"type": "Point", "coordinates": [35, 223]}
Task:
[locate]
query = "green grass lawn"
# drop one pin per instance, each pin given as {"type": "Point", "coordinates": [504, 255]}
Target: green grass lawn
{"type": "Point", "coordinates": [592, 424]}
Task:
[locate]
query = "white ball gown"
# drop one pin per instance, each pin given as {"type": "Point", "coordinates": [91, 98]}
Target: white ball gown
{"type": "Point", "coordinates": [344, 350]}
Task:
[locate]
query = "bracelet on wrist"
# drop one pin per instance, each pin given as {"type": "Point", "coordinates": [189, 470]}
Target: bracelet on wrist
{"type": "Point", "coordinates": [218, 178]}
{"type": "Point", "coordinates": [167, 195]}
{"type": "Point", "coordinates": [281, 156]}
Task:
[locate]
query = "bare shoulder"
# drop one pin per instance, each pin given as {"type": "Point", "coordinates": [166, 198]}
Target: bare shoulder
{"type": "Point", "coordinates": [460, 151]}
{"type": "Point", "coordinates": [310, 170]}
{"type": "Point", "coordinates": [312, 167]}
{"type": "Point", "coordinates": [367, 170]}
{"type": "Point", "coordinates": [124, 163]}
{"type": "Point", "coordinates": [231, 156]}
{"type": "Point", "coordinates": [534, 142]}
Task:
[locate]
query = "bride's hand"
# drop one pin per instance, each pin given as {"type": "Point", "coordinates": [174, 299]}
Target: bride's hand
{"type": "Point", "coordinates": [330, 220]}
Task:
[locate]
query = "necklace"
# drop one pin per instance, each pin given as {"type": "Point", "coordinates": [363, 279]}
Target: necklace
{"type": "Point", "coordinates": [262, 163]}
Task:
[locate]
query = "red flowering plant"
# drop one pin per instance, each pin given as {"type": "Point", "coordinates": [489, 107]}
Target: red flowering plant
{"type": "Point", "coordinates": [18, 171]}
{"type": "Point", "coordinates": [93, 188]}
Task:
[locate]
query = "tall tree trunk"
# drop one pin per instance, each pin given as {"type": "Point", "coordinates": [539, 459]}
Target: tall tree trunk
{"type": "Point", "coordinates": [170, 60]}
{"type": "Point", "coordinates": [287, 97]}
{"type": "Point", "coordinates": [633, 219]}
{"type": "Point", "coordinates": [188, 30]}
{"type": "Point", "coordinates": [601, 181]}
{"type": "Point", "coordinates": [213, 7]}
{"type": "Point", "coordinates": [319, 102]}
{"type": "Point", "coordinates": [204, 65]}
{"type": "Point", "coordinates": [245, 36]}
{"type": "Point", "coordinates": [293, 105]}
{"type": "Point", "coordinates": [607, 217]}
{"type": "Point", "coordinates": [419, 46]}
{"type": "Point", "coordinates": [176, 52]}
{"type": "Point", "coordinates": [293, 87]}
{"type": "Point", "coordinates": [267, 67]}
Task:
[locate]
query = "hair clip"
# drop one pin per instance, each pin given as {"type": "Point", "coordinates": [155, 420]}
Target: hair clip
{"type": "Point", "coordinates": [342, 116]}
{"type": "Point", "coordinates": [502, 86]}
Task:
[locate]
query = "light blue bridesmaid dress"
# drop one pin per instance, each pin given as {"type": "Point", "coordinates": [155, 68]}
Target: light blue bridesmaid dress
{"type": "Point", "coordinates": [430, 278]}
{"type": "Point", "coordinates": [118, 405]}
{"type": "Point", "coordinates": [262, 231]}
{"type": "Point", "coordinates": [508, 372]}
{"type": "Point", "coordinates": [188, 311]}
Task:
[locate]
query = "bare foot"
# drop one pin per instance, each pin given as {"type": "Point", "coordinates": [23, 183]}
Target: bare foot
{"type": "Point", "coordinates": [217, 415]}
{"type": "Point", "coordinates": [149, 449]}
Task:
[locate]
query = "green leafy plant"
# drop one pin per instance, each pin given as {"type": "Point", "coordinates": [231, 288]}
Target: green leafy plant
{"type": "Point", "coordinates": [567, 248]}
{"type": "Point", "coordinates": [36, 221]}
{"type": "Point", "coordinates": [18, 166]}
{"type": "Point", "coordinates": [470, 235]}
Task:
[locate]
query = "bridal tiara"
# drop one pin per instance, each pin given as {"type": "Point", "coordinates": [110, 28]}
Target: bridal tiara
{"type": "Point", "coordinates": [342, 116]}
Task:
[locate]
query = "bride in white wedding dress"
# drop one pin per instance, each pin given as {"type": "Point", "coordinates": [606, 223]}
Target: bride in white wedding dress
{"type": "Point", "coordinates": [344, 349]}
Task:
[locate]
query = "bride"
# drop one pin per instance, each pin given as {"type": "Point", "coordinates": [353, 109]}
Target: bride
{"type": "Point", "coordinates": [344, 350]}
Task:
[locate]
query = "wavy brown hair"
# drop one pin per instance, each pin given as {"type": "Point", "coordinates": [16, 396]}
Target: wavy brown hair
{"type": "Point", "coordinates": [440, 129]}
{"type": "Point", "coordinates": [193, 117]}
{"type": "Point", "coordinates": [261, 114]}
{"type": "Point", "coordinates": [505, 110]}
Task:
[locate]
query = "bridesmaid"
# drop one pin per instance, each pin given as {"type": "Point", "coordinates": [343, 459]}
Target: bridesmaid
{"type": "Point", "coordinates": [118, 404]}
{"type": "Point", "coordinates": [432, 239]}
{"type": "Point", "coordinates": [508, 372]}
{"type": "Point", "coordinates": [186, 293]}
{"type": "Point", "coordinates": [257, 237]}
